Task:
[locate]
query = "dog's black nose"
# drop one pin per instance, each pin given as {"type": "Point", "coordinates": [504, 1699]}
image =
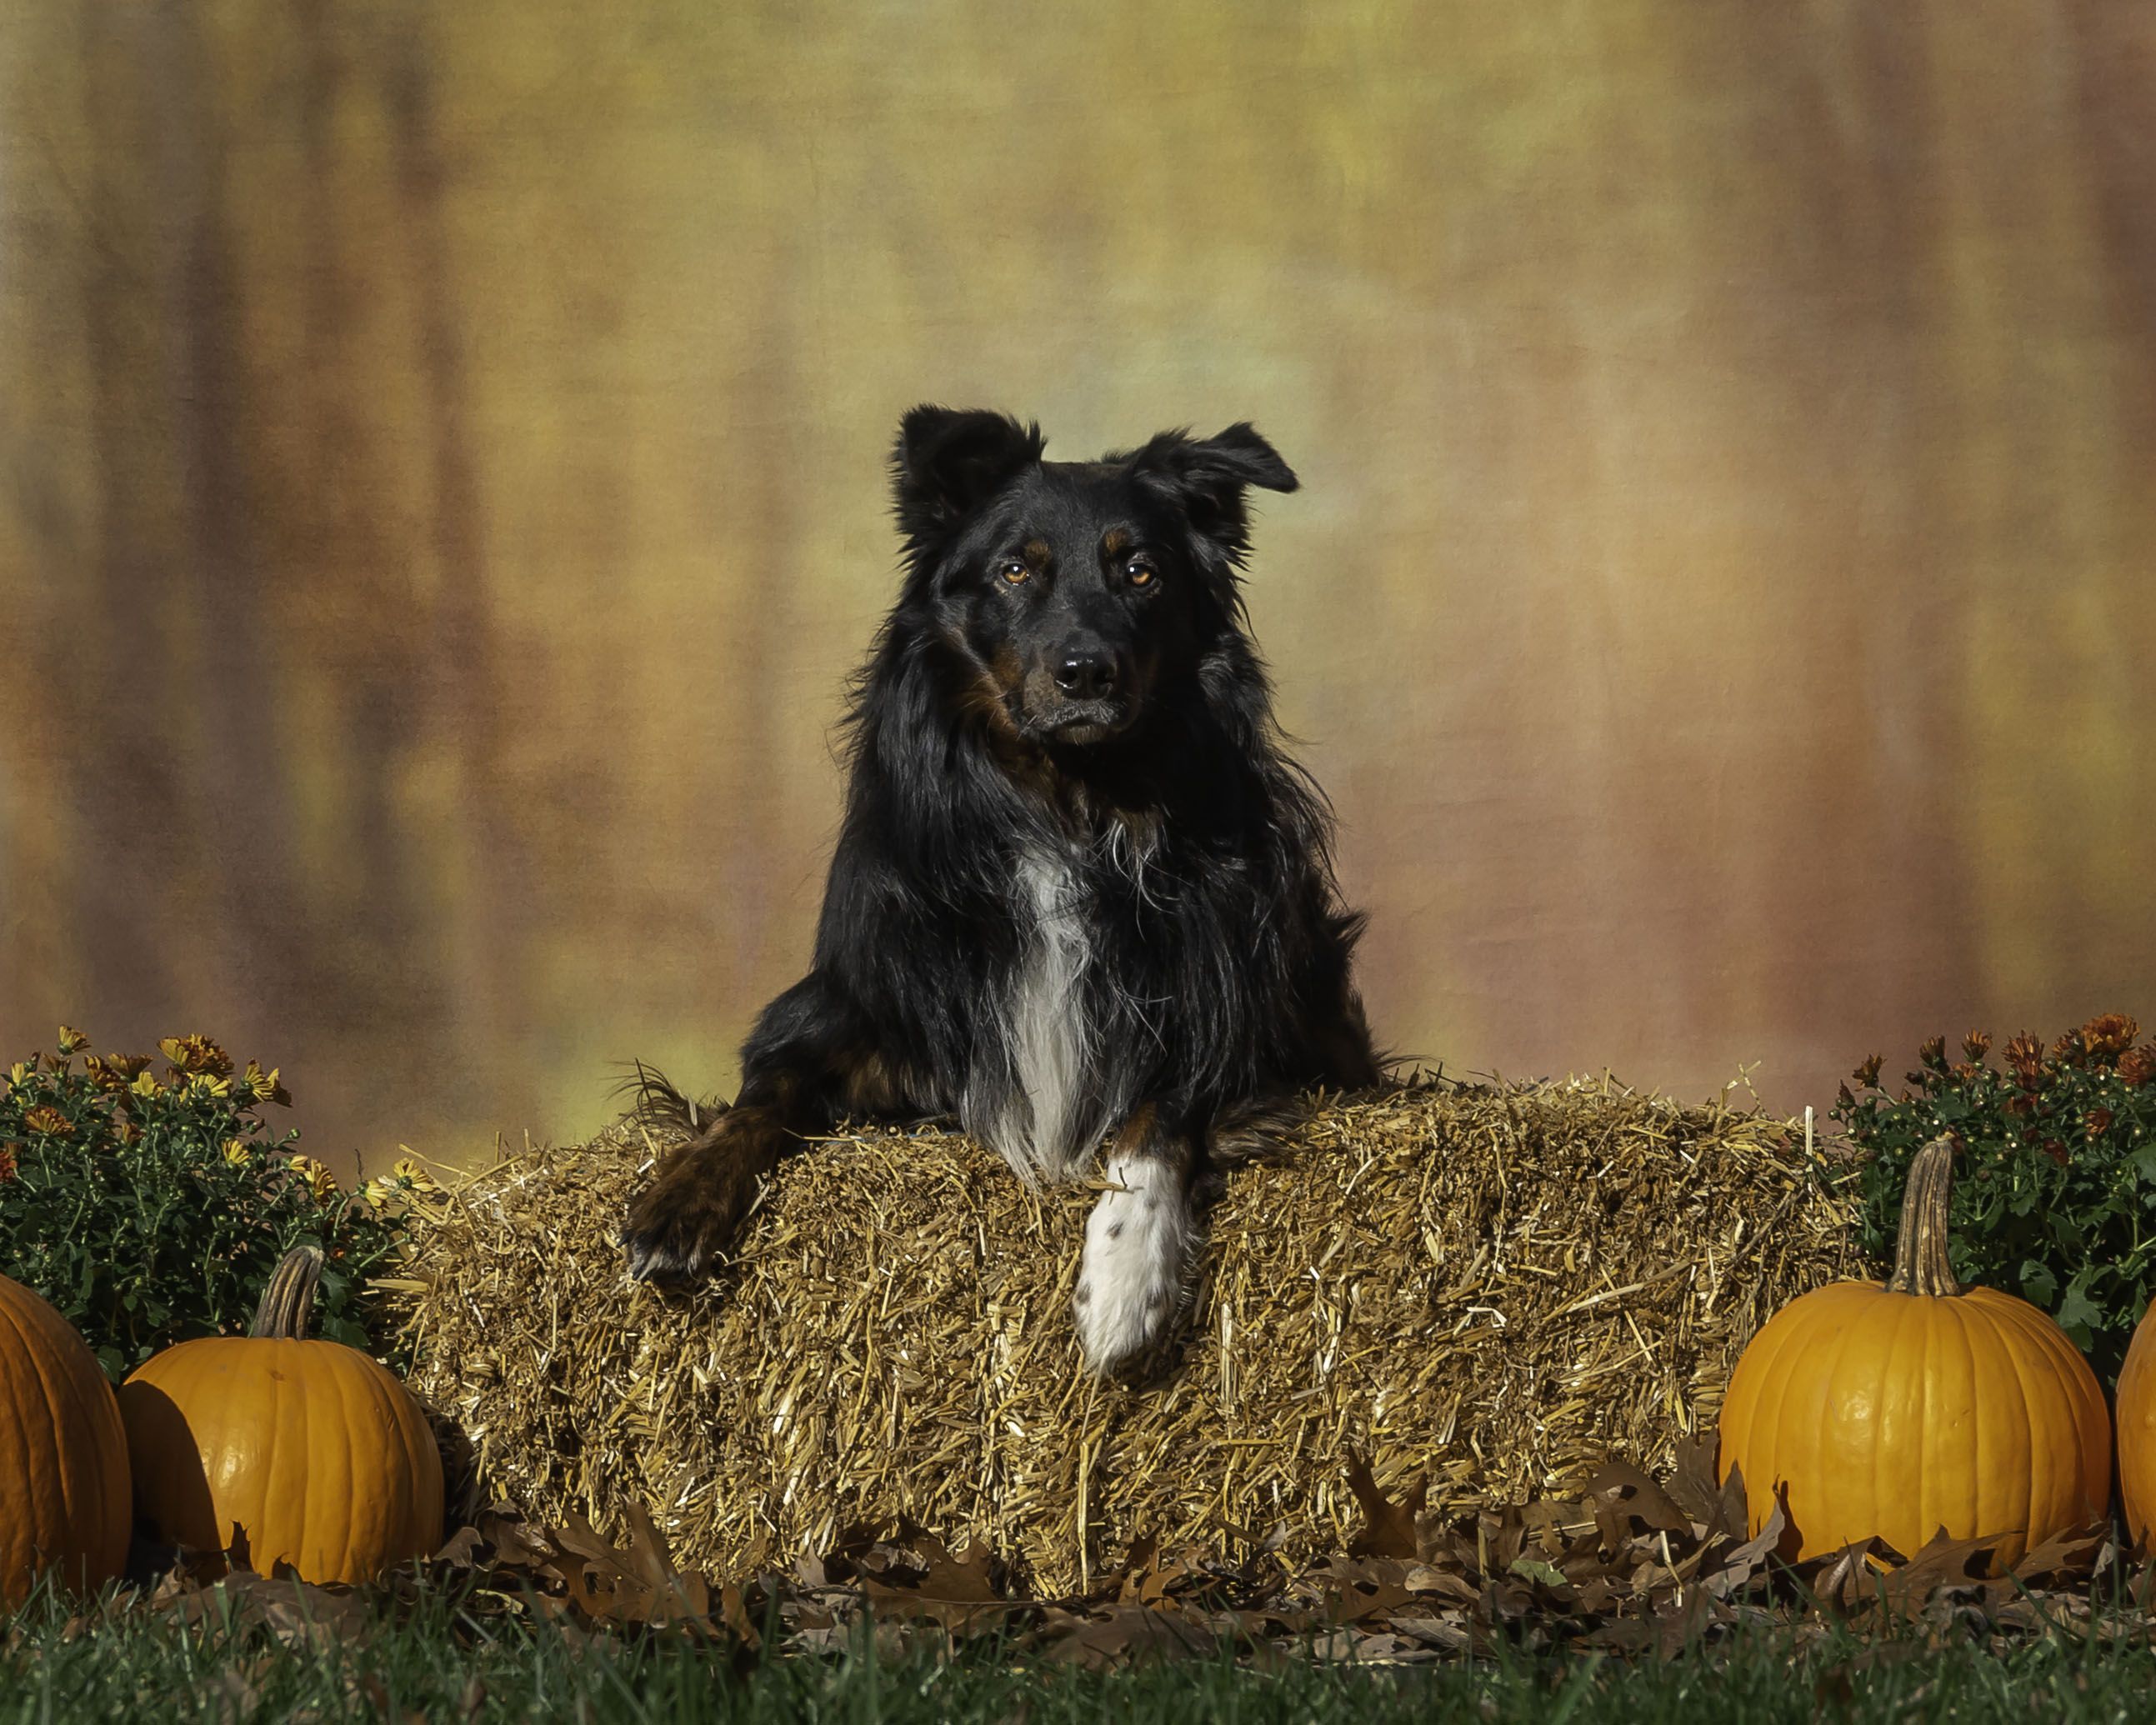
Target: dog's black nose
{"type": "Point", "coordinates": [1085, 675]}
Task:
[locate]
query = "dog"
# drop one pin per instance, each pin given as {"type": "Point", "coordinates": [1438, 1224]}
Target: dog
{"type": "Point", "coordinates": [1080, 892]}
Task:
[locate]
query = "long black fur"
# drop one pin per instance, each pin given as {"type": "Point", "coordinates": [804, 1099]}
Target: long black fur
{"type": "Point", "coordinates": [1200, 853]}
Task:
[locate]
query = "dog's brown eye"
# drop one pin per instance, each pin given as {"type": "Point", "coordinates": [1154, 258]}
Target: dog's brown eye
{"type": "Point", "coordinates": [1139, 573]}
{"type": "Point", "coordinates": [1013, 571]}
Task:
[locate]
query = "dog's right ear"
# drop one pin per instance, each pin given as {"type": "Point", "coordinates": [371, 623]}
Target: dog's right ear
{"type": "Point", "coordinates": [947, 462]}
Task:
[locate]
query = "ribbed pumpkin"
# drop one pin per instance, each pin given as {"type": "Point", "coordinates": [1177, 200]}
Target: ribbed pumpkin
{"type": "Point", "coordinates": [2137, 1428]}
{"type": "Point", "coordinates": [64, 1501]}
{"type": "Point", "coordinates": [1895, 1411]}
{"type": "Point", "coordinates": [317, 1452]}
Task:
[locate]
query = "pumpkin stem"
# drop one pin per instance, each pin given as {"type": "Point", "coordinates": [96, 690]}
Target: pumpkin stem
{"type": "Point", "coordinates": [1920, 1254]}
{"type": "Point", "coordinates": [289, 1301]}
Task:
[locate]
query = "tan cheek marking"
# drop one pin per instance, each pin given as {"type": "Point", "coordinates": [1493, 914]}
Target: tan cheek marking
{"type": "Point", "coordinates": [1006, 669]}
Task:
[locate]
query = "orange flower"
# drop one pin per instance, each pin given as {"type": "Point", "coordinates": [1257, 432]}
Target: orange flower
{"type": "Point", "coordinates": [1976, 1045]}
{"type": "Point", "coordinates": [1933, 1054]}
{"type": "Point", "coordinates": [2098, 1122]}
{"type": "Point", "coordinates": [1867, 1075]}
{"type": "Point", "coordinates": [2024, 1054]}
{"type": "Point", "coordinates": [47, 1119]}
{"type": "Point", "coordinates": [2138, 1065]}
{"type": "Point", "coordinates": [2057, 1152]}
{"type": "Point", "coordinates": [6, 1161]}
{"type": "Point", "coordinates": [2108, 1036]}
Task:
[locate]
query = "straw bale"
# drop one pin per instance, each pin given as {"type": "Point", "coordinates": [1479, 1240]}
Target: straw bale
{"type": "Point", "coordinates": [1497, 1287]}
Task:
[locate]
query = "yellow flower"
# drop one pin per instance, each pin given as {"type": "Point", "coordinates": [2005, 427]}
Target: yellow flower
{"type": "Point", "coordinates": [408, 1172]}
{"type": "Point", "coordinates": [320, 1180]}
{"type": "Point", "coordinates": [145, 1086]}
{"type": "Point", "coordinates": [203, 1083]}
{"type": "Point", "coordinates": [264, 1084]}
{"type": "Point", "coordinates": [72, 1040]}
{"type": "Point", "coordinates": [47, 1119]}
{"type": "Point", "coordinates": [238, 1152]}
{"type": "Point", "coordinates": [380, 1192]}
{"type": "Point", "coordinates": [17, 1074]}
{"type": "Point", "coordinates": [113, 1071]}
{"type": "Point", "coordinates": [196, 1054]}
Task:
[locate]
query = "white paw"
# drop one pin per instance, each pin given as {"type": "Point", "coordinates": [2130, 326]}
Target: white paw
{"type": "Point", "coordinates": [1138, 1243]}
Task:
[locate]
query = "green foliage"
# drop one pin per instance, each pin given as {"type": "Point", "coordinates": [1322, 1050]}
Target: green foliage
{"type": "Point", "coordinates": [2055, 1188]}
{"type": "Point", "coordinates": [149, 1211]}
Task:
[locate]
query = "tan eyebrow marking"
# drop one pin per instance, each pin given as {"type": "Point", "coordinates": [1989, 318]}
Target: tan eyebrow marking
{"type": "Point", "coordinates": [1116, 541]}
{"type": "Point", "coordinates": [1036, 550]}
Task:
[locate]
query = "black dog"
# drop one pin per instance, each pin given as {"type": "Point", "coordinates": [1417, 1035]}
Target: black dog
{"type": "Point", "coordinates": [1080, 889]}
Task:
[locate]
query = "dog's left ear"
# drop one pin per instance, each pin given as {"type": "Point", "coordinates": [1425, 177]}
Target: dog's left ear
{"type": "Point", "coordinates": [947, 462]}
{"type": "Point", "coordinates": [1208, 476]}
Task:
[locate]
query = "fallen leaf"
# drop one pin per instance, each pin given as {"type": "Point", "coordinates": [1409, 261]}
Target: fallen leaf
{"type": "Point", "coordinates": [1389, 1528]}
{"type": "Point", "coordinates": [1633, 1495]}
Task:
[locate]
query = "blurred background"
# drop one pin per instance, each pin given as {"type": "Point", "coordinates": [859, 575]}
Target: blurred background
{"type": "Point", "coordinates": [442, 495]}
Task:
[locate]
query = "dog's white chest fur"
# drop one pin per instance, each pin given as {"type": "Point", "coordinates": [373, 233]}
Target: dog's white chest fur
{"type": "Point", "coordinates": [1043, 1104]}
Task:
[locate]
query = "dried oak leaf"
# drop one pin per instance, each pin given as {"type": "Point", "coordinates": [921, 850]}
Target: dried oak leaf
{"type": "Point", "coordinates": [1127, 1585]}
{"type": "Point", "coordinates": [636, 1587]}
{"type": "Point", "coordinates": [958, 1593]}
{"type": "Point", "coordinates": [1904, 1590]}
{"type": "Point", "coordinates": [1120, 1635]}
{"type": "Point", "coordinates": [1690, 1617]}
{"type": "Point", "coordinates": [2081, 1555]}
{"type": "Point", "coordinates": [1736, 1568]}
{"type": "Point", "coordinates": [1630, 1493]}
{"type": "Point", "coordinates": [1389, 1528]}
{"type": "Point", "coordinates": [1848, 1580]}
{"type": "Point", "coordinates": [1445, 1635]}
{"type": "Point", "coordinates": [1358, 1589]}
{"type": "Point", "coordinates": [465, 1549]}
{"type": "Point", "coordinates": [1715, 1505]}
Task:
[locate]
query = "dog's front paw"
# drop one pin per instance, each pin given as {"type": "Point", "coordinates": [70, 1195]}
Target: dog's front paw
{"type": "Point", "coordinates": [681, 1226]}
{"type": "Point", "coordinates": [1133, 1279]}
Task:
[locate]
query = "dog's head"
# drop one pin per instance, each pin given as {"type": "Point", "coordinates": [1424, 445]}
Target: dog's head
{"type": "Point", "coordinates": [1074, 591]}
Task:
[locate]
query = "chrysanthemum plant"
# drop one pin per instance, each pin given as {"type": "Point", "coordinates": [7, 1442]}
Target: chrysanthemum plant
{"type": "Point", "coordinates": [150, 1205]}
{"type": "Point", "coordinates": [2055, 1189]}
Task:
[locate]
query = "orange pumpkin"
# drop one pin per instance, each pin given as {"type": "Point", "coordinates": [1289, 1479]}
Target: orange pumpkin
{"type": "Point", "coordinates": [313, 1451]}
{"type": "Point", "coordinates": [63, 1502]}
{"type": "Point", "coordinates": [1894, 1412]}
{"type": "Point", "coordinates": [2137, 1428]}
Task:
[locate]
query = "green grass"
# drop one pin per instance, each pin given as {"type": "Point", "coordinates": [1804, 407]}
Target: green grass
{"type": "Point", "coordinates": [158, 1667]}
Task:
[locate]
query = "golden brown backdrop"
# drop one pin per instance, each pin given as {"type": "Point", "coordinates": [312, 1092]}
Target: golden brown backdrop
{"type": "Point", "coordinates": [441, 496]}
